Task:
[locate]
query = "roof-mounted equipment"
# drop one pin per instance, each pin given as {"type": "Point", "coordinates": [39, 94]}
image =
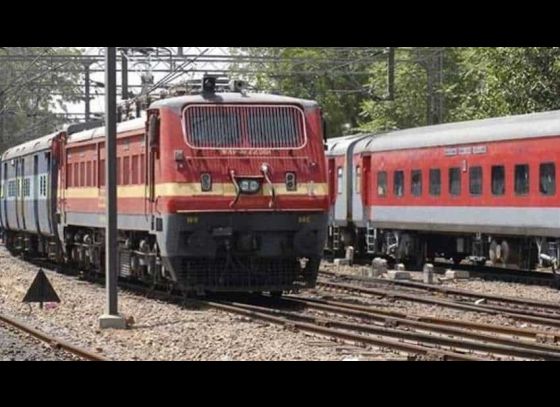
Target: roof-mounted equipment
{"type": "Point", "coordinates": [209, 84]}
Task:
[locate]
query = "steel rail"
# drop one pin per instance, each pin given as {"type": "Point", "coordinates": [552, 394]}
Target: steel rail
{"type": "Point", "coordinates": [449, 290]}
{"type": "Point", "coordinates": [407, 321]}
{"type": "Point", "coordinates": [311, 326]}
{"type": "Point", "coordinates": [54, 342]}
{"type": "Point", "coordinates": [499, 329]}
{"type": "Point", "coordinates": [327, 323]}
{"type": "Point", "coordinates": [446, 303]}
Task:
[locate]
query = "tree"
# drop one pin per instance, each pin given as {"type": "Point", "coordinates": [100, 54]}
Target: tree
{"type": "Point", "coordinates": [474, 83]}
{"type": "Point", "coordinates": [504, 81]}
{"type": "Point", "coordinates": [335, 77]}
{"type": "Point", "coordinates": [424, 80]}
{"type": "Point", "coordinates": [31, 85]}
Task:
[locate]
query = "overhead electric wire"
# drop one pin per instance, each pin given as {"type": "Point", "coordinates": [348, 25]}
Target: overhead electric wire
{"type": "Point", "coordinates": [168, 78]}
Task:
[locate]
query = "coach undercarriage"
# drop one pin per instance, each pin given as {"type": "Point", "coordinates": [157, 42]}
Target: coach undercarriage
{"type": "Point", "coordinates": [414, 248]}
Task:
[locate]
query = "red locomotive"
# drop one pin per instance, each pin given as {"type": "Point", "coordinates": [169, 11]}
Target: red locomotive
{"type": "Point", "coordinates": [483, 189]}
{"type": "Point", "coordinates": [216, 192]}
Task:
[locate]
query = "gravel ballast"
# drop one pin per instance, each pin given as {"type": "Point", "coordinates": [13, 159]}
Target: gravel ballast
{"type": "Point", "coordinates": [161, 331]}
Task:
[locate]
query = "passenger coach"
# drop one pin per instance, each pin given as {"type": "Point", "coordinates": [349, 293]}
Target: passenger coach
{"type": "Point", "coordinates": [483, 189]}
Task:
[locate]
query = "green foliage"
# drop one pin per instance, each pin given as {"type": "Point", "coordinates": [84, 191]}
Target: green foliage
{"type": "Point", "coordinates": [476, 83]}
{"type": "Point", "coordinates": [31, 87]}
{"type": "Point", "coordinates": [504, 81]}
{"type": "Point", "coordinates": [330, 76]}
{"type": "Point", "coordinates": [407, 108]}
{"type": "Point", "coordinates": [470, 83]}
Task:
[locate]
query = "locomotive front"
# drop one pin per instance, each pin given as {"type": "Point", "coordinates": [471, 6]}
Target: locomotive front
{"type": "Point", "coordinates": [240, 191]}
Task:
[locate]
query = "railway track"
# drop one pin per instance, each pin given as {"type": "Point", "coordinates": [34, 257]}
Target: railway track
{"type": "Point", "coordinates": [523, 304]}
{"type": "Point", "coordinates": [354, 333]}
{"type": "Point", "coordinates": [420, 338]}
{"type": "Point", "coordinates": [491, 273]}
{"type": "Point", "coordinates": [437, 339]}
{"type": "Point", "coordinates": [436, 332]}
{"type": "Point", "coordinates": [514, 313]}
{"type": "Point", "coordinates": [506, 274]}
{"type": "Point", "coordinates": [53, 342]}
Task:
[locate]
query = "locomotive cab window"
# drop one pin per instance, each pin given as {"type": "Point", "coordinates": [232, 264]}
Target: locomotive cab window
{"type": "Point", "coordinates": [475, 180]}
{"type": "Point", "coordinates": [522, 179]}
{"type": "Point", "coordinates": [455, 181]}
{"type": "Point", "coordinates": [498, 180]}
{"type": "Point", "coordinates": [435, 182]}
{"type": "Point", "coordinates": [382, 183]}
{"type": "Point", "coordinates": [416, 182]}
{"type": "Point", "coordinates": [339, 181]}
{"type": "Point", "coordinates": [398, 183]}
{"type": "Point", "coordinates": [547, 176]}
{"type": "Point", "coordinates": [358, 185]}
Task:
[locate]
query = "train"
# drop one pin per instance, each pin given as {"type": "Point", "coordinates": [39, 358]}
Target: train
{"type": "Point", "coordinates": [217, 192]}
{"type": "Point", "coordinates": [482, 191]}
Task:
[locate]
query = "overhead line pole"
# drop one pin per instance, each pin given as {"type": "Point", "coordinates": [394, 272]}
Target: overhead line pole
{"type": "Point", "coordinates": [87, 92]}
{"type": "Point", "coordinates": [124, 75]}
{"type": "Point", "coordinates": [111, 319]}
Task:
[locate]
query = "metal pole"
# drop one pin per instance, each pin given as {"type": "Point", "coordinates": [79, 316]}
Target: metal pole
{"type": "Point", "coordinates": [124, 75]}
{"type": "Point", "coordinates": [391, 74]}
{"type": "Point", "coordinates": [112, 318]}
{"type": "Point", "coordinates": [111, 264]}
{"type": "Point", "coordinates": [2, 114]}
{"type": "Point", "coordinates": [87, 93]}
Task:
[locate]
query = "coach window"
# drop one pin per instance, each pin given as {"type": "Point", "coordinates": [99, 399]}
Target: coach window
{"type": "Point", "coordinates": [134, 170]}
{"type": "Point", "coordinates": [548, 179]}
{"type": "Point", "coordinates": [398, 183]}
{"type": "Point", "coordinates": [68, 175]}
{"type": "Point", "coordinates": [382, 183]}
{"type": "Point", "coordinates": [82, 174]}
{"type": "Point", "coordinates": [498, 180]}
{"type": "Point", "coordinates": [119, 171]}
{"type": "Point", "coordinates": [475, 180]}
{"type": "Point", "coordinates": [522, 179]}
{"type": "Point", "coordinates": [358, 187]}
{"type": "Point", "coordinates": [142, 175]}
{"type": "Point", "coordinates": [94, 174]}
{"type": "Point", "coordinates": [76, 181]}
{"type": "Point", "coordinates": [88, 174]}
{"type": "Point", "coordinates": [126, 171]}
{"type": "Point", "coordinates": [455, 181]}
{"type": "Point", "coordinates": [339, 181]}
{"type": "Point", "coordinates": [435, 182]}
{"type": "Point", "coordinates": [416, 182]}
{"type": "Point", "coordinates": [101, 173]}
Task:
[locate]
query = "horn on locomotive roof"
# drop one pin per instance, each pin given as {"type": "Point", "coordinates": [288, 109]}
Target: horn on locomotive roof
{"type": "Point", "coordinates": [238, 86]}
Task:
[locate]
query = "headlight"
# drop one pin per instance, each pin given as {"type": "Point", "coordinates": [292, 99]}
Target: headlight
{"type": "Point", "coordinates": [206, 182]}
{"type": "Point", "coordinates": [291, 181]}
{"type": "Point", "coordinates": [249, 186]}
{"type": "Point", "coordinates": [254, 186]}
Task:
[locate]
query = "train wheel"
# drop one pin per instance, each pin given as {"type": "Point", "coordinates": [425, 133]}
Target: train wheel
{"type": "Point", "coordinates": [493, 254]}
{"type": "Point", "coordinates": [504, 251]}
